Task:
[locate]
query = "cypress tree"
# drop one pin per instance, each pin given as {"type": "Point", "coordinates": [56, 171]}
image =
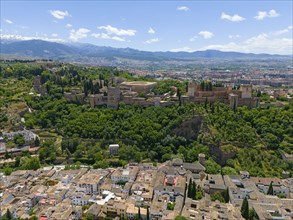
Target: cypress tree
{"type": "Point", "coordinates": [193, 190]}
{"type": "Point", "coordinates": [245, 209]}
{"type": "Point", "coordinates": [139, 215]}
{"type": "Point", "coordinates": [234, 106]}
{"type": "Point", "coordinates": [148, 214]}
{"type": "Point", "coordinates": [226, 195]}
{"type": "Point", "coordinates": [206, 103]}
{"type": "Point", "coordinates": [199, 188]}
{"type": "Point", "coordinates": [189, 193]}
{"type": "Point", "coordinates": [8, 214]}
{"type": "Point", "coordinates": [271, 190]}
{"type": "Point", "coordinates": [37, 141]}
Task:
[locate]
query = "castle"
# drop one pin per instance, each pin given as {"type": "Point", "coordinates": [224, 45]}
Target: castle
{"type": "Point", "coordinates": [130, 93]}
{"type": "Point", "coordinates": [237, 97]}
{"type": "Point", "coordinates": [76, 95]}
{"type": "Point", "coordinates": [141, 93]}
{"type": "Point", "coordinates": [135, 92]}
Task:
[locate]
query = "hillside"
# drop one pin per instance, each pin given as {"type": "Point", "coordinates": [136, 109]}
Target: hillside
{"type": "Point", "coordinates": [244, 139]}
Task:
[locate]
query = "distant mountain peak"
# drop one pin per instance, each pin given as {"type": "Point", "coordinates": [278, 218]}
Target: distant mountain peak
{"type": "Point", "coordinates": [75, 51]}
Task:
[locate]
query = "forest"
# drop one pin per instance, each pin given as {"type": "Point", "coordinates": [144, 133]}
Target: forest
{"type": "Point", "coordinates": [232, 139]}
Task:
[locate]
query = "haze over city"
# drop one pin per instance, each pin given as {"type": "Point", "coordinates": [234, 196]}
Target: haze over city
{"type": "Point", "coordinates": [241, 26]}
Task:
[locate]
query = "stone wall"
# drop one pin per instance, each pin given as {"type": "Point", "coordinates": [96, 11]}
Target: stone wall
{"type": "Point", "coordinates": [241, 97]}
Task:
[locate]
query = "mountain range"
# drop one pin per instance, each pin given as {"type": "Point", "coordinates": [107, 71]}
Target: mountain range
{"type": "Point", "coordinates": [83, 52]}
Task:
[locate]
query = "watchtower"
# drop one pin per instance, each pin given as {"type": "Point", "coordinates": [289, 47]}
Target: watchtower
{"type": "Point", "coordinates": [114, 96]}
{"type": "Point", "coordinates": [246, 91]}
{"type": "Point", "coordinates": [191, 89]}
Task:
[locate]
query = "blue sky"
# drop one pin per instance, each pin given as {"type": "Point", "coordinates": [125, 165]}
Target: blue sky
{"type": "Point", "coordinates": [245, 26]}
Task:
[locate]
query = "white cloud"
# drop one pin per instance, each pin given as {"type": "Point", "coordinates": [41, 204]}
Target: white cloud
{"type": "Point", "coordinates": [183, 8]}
{"type": "Point", "coordinates": [59, 14]}
{"type": "Point", "coordinates": [280, 32]}
{"type": "Point", "coordinates": [263, 43]}
{"type": "Point", "coordinates": [102, 36]}
{"type": "Point", "coordinates": [75, 35]}
{"type": "Point", "coordinates": [8, 21]}
{"type": "Point", "coordinates": [117, 38]}
{"type": "Point", "coordinates": [69, 25]}
{"type": "Point", "coordinates": [206, 34]}
{"type": "Point", "coordinates": [273, 13]}
{"type": "Point", "coordinates": [151, 31]}
{"type": "Point", "coordinates": [192, 39]}
{"type": "Point", "coordinates": [20, 37]}
{"type": "Point", "coordinates": [24, 27]}
{"type": "Point", "coordinates": [153, 40]}
{"type": "Point", "coordinates": [0, 29]}
{"type": "Point", "coordinates": [54, 35]}
{"type": "Point", "coordinates": [231, 36]}
{"type": "Point", "coordinates": [116, 31]}
{"type": "Point", "coordinates": [234, 18]}
{"type": "Point", "coordinates": [263, 14]}
{"type": "Point", "coordinates": [108, 37]}
{"type": "Point", "coordinates": [182, 49]}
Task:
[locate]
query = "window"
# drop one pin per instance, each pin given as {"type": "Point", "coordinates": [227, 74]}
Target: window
{"type": "Point", "coordinates": [193, 206]}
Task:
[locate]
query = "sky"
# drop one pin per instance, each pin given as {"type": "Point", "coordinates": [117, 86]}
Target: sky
{"type": "Point", "coordinates": [244, 26]}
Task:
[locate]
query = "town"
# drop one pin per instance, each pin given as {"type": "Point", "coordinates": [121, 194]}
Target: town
{"type": "Point", "coordinates": [143, 191]}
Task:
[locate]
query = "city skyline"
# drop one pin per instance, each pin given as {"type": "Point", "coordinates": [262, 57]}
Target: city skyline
{"type": "Point", "coordinates": [242, 26]}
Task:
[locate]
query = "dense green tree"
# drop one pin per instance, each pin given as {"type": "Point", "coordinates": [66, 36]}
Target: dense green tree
{"type": "Point", "coordinates": [30, 163]}
{"type": "Point", "coordinates": [199, 193]}
{"type": "Point", "coordinates": [48, 150]}
{"type": "Point", "coordinates": [170, 205]}
{"type": "Point", "coordinates": [7, 171]}
{"type": "Point", "coordinates": [17, 162]}
{"type": "Point", "coordinates": [89, 216]}
{"type": "Point", "coordinates": [253, 215]}
{"type": "Point", "coordinates": [228, 171]}
{"type": "Point", "coordinates": [37, 142]}
{"type": "Point", "coordinates": [19, 140]}
{"type": "Point", "coordinates": [217, 196]}
{"type": "Point", "coordinates": [212, 167]}
{"type": "Point", "coordinates": [179, 217]}
{"type": "Point", "coordinates": [7, 155]}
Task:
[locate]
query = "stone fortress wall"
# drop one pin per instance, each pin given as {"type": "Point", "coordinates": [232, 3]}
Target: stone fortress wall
{"type": "Point", "coordinates": [140, 93]}
{"type": "Point", "coordinates": [239, 97]}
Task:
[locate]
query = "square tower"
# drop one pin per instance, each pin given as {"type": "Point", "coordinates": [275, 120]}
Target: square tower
{"type": "Point", "coordinates": [246, 91]}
